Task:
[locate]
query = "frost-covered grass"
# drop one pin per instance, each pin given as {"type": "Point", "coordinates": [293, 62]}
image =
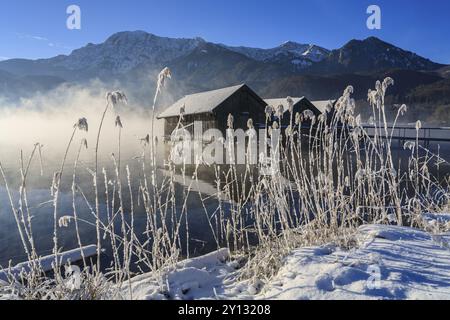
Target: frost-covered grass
{"type": "Point", "coordinates": [334, 178]}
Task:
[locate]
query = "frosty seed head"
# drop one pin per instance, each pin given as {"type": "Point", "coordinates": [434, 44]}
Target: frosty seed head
{"type": "Point", "coordinates": [280, 111]}
{"type": "Point", "coordinates": [82, 125]}
{"type": "Point", "coordinates": [116, 97]}
{"type": "Point", "coordinates": [418, 125]}
{"type": "Point", "coordinates": [369, 95]}
{"type": "Point", "coordinates": [348, 91]}
{"type": "Point", "coordinates": [378, 85]}
{"type": "Point", "coordinates": [269, 111]}
{"type": "Point", "coordinates": [162, 78]}
{"type": "Point", "coordinates": [308, 114]}
{"type": "Point", "coordinates": [250, 123]}
{"type": "Point", "coordinates": [387, 82]}
{"type": "Point", "coordinates": [329, 107]}
{"type": "Point", "coordinates": [372, 97]}
{"type": "Point", "coordinates": [403, 109]}
{"type": "Point", "coordinates": [64, 221]}
{"type": "Point", "coordinates": [409, 145]}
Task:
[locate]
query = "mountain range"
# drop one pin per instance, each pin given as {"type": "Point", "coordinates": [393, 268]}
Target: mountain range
{"type": "Point", "coordinates": [131, 61]}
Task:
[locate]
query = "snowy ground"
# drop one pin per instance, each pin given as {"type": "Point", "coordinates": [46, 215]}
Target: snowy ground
{"type": "Point", "coordinates": [388, 263]}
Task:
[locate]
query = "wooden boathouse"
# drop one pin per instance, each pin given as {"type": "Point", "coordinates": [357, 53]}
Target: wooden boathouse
{"type": "Point", "coordinates": [212, 109]}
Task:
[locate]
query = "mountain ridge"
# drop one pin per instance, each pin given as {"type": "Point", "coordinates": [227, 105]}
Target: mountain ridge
{"type": "Point", "coordinates": [132, 60]}
{"type": "Point", "coordinates": [125, 50]}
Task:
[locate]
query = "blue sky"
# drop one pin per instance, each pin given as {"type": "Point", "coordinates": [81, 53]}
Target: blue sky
{"type": "Point", "coordinates": [37, 28]}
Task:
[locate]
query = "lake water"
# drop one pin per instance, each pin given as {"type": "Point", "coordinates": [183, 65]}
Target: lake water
{"type": "Point", "coordinates": [202, 203]}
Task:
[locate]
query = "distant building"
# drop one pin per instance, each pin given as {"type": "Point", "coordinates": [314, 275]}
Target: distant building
{"type": "Point", "coordinates": [324, 106]}
{"type": "Point", "coordinates": [300, 105]}
{"type": "Point", "coordinates": [212, 109]}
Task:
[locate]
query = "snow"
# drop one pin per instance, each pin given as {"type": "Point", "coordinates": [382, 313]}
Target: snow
{"type": "Point", "coordinates": [315, 53]}
{"type": "Point", "coordinates": [124, 51]}
{"type": "Point", "coordinates": [197, 278]}
{"type": "Point", "coordinates": [201, 102]}
{"type": "Point", "coordinates": [389, 262]}
{"type": "Point", "coordinates": [46, 262]}
{"type": "Point", "coordinates": [302, 52]}
{"type": "Point", "coordinates": [412, 264]}
{"type": "Point", "coordinates": [386, 262]}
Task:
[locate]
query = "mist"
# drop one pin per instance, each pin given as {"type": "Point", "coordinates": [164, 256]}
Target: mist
{"type": "Point", "coordinates": [49, 119]}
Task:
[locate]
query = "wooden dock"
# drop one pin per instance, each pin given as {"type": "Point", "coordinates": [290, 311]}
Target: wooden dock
{"type": "Point", "coordinates": [403, 133]}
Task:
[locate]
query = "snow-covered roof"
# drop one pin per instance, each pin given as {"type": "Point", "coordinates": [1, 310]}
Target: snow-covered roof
{"type": "Point", "coordinates": [198, 103]}
{"type": "Point", "coordinates": [322, 104]}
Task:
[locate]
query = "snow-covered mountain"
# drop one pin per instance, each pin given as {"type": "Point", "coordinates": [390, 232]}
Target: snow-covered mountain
{"type": "Point", "coordinates": [297, 54]}
{"type": "Point", "coordinates": [133, 59]}
{"type": "Point", "coordinates": [126, 50]}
